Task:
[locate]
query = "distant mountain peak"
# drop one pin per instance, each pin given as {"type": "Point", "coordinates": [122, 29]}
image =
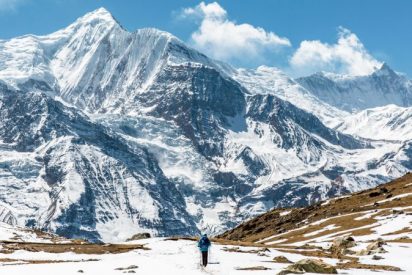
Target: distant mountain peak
{"type": "Point", "coordinates": [101, 13]}
{"type": "Point", "coordinates": [385, 70]}
{"type": "Point", "coordinates": [385, 66]}
{"type": "Point", "coordinates": [101, 10]}
{"type": "Point", "coordinates": [97, 17]}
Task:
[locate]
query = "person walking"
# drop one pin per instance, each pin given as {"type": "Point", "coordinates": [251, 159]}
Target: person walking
{"type": "Point", "coordinates": [204, 244]}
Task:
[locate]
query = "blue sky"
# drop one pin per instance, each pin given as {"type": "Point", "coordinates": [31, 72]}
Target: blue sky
{"type": "Point", "coordinates": [299, 36]}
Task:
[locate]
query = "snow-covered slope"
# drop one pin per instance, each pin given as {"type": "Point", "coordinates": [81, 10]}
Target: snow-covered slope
{"type": "Point", "coordinates": [106, 133]}
{"type": "Point", "coordinates": [354, 93]}
{"type": "Point", "coordinates": [389, 122]}
{"type": "Point", "coordinates": [268, 80]}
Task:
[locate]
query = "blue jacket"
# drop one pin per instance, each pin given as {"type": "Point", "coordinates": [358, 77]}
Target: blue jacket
{"type": "Point", "coordinates": [203, 244]}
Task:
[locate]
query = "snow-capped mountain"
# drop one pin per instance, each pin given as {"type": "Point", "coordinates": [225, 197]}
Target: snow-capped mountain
{"type": "Point", "coordinates": [379, 103]}
{"type": "Point", "coordinates": [268, 80]}
{"type": "Point", "coordinates": [354, 93]}
{"type": "Point", "coordinates": [106, 133]}
{"type": "Point", "coordinates": [94, 63]}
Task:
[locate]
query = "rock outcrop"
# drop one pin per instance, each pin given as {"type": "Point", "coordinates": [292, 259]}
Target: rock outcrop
{"type": "Point", "coordinates": [309, 265]}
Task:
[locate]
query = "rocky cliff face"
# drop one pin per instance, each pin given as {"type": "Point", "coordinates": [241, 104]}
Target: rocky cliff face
{"type": "Point", "coordinates": [80, 175]}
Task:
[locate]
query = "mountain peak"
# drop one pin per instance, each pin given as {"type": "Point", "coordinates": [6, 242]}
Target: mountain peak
{"type": "Point", "coordinates": [97, 17]}
{"type": "Point", "coordinates": [100, 20]}
{"type": "Point", "coordinates": [385, 70]}
{"type": "Point", "coordinates": [385, 66]}
{"type": "Point", "coordinates": [101, 10]}
{"type": "Point", "coordinates": [101, 13]}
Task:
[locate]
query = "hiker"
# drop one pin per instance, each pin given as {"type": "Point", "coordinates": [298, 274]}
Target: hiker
{"type": "Point", "coordinates": [203, 245]}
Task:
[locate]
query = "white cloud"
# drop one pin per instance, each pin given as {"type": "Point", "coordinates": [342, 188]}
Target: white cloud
{"type": "Point", "coordinates": [226, 40]}
{"type": "Point", "coordinates": [205, 10]}
{"type": "Point", "coordinates": [7, 5]}
{"type": "Point", "coordinates": [246, 45]}
{"type": "Point", "coordinates": [347, 56]}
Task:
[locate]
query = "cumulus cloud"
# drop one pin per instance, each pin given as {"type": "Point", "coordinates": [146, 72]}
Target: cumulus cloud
{"type": "Point", "coordinates": [7, 5]}
{"type": "Point", "coordinates": [246, 45]}
{"type": "Point", "coordinates": [347, 56]}
{"type": "Point", "coordinates": [203, 10]}
{"type": "Point", "coordinates": [226, 40]}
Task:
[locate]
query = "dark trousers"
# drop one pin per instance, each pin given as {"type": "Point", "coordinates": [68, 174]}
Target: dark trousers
{"type": "Point", "coordinates": [204, 258]}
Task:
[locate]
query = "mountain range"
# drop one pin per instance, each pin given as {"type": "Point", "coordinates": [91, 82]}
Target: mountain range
{"type": "Point", "coordinates": [107, 133]}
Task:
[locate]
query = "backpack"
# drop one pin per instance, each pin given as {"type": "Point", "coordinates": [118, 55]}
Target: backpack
{"type": "Point", "coordinates": [204, 242]}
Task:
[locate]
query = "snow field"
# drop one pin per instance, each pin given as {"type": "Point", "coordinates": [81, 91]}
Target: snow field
{"type": "Point", "coordinates": [182, 257]}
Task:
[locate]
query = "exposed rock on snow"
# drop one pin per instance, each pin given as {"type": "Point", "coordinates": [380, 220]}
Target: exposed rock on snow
{"type": "Point", "coordinates": [311, 266]}
{"type": "Point", "coordinates": [373, 248]}
{"type": "Point", "coordinates": [139, 236]}
{"type": "Point", "coordinates": [282, 260]}
{"type": "Point", "coordinates": [342, 244]}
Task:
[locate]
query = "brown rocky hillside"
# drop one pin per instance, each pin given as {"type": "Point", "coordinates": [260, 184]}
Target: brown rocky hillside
{"type": "Point", "coordinates": [365, 213]}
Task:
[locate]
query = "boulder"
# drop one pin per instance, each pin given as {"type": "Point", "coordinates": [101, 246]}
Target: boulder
{"type": "Point", "coordinates": [262, 254]}
{"type": "Point", "coordinates": [377, 258]}
{"type": "Point", "coordinates": [398, 212]}
{"type": "Point", "coordinates": [341, 245]}
{"type": "Point", "coordinates": [344, 242]}
{"type": "Point", "coordinates": [373, 248]}
{"type": "Point", "coordinates": [282, 260]}
{"type": "Point", "coordinates": [139, 236]}
{"type": "Point", "coordinates": [309, 265]}
{"type": "Point", "coordinates": [383, 190]}
{"type": "Point", "coordinates": [131, 267]}
{"type": "Point", "coordinates": [376, 244]}
{"type": "Point", "coordinates": [374, 194]}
